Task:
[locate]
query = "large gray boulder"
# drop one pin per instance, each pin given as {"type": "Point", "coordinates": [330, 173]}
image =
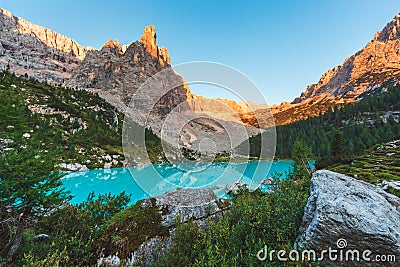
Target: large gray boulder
{"type": "Point", "coordinates": [200, 205]}
{"type": "Point", "coordinates": [346, 214]}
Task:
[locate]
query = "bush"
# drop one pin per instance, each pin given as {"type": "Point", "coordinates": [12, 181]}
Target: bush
{"type": "Point", "coordinates": [104, 206]}
{"type": "Point", "coordinates": [387, 176]}
{"type": "Point", "coordinates": [393, 192]}
{"type": "Point", "coordinates": [69, 228]}
{"type": "Point", "coordinates": [54, 258]}
{"type": "Point", "coordinates": [367, 177]}
{"type": "Point", "coordinates": [74, 229]}
{"type": "Point", "coordinates": [186, 246]}
{"type": "Point", "coordinates": [128, 229]}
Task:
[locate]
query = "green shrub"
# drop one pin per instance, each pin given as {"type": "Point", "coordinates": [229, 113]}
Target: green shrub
{"type": "Point", "coordinates": [54, 258]}
{"type": "Point", "coordinates": [387, 176]}
{"type": "Point", "coordinates": [186, 246]}
{"type": "Point", "coordinates": [128, 229]}
{"type": "Point", "coordinates": [367, 177]}
{"type": "Point", "coordinates": [69, 228]}
{"type": "Point", "coordinates": [103, 207]}
{"type": "Point", "coordinates": [393, 192]}
{"type": "Point", "coordinates": [75, 229]}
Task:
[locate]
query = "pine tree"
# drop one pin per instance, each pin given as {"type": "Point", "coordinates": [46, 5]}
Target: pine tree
{"type": "Point", "coordinates": [30, 187]}
{"type": "Point", "coordinates": [339, 150]}
{"type": "Point", "coordinates": [301, 155]}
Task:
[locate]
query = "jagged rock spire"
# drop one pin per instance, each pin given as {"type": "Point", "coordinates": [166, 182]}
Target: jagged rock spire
{"type": "Point", "coordinates": [149, 41]}
{"type": "Point", "coordinates": [163, 51]}
{"type": "Point", "coordinates": [114, 45]}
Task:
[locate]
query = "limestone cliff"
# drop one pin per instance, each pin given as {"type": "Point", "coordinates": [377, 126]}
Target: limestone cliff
{"type": "Point", "coordinates": [37, 51]}
{"type": "Point", "coordinates": [226, 109]}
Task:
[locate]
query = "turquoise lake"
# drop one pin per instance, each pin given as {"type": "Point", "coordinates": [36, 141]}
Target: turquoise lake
{"type": "Point", "coordinates": [156, 179]}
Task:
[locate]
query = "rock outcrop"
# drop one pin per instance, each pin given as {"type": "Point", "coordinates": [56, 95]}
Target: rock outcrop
{"type": "Point", "coordinates": [225, 109]}
{"type": "Point", "coordinates": [150, 251]}
{"type": "Point", "coordinates": [37, 51]}
{"type": "Point", "coordinates": [149, 41]}
{"type": "Point", "coordinates": [346, 214]}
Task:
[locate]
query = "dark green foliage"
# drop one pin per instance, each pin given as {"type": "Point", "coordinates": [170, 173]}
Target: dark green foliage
{"type": "Point", "coordinates": [127, 230]}
{"type": "Point", "coordinates": [102, 208]}
{"type": "Point", "coordinates": [29, 182]}
{"type": "Point", "coordinates": [325, 162]}
{"type": "Point", "coordinates": [381, 162]}
{"type": "Point", "coordinates": [186, 246]}
{"type": "Point", "coordinates": [7, 225]}
{"type": "Point", "coordinates": [339, 149]}
{"type": "Point", "coordinates": [301, 156]}
{"type": "Point", "coordinates": [30, 187]}
{"type": "Point", "coordinates": [394, 192]}
{"type": "Point", "coordinates": [154, 147]}
{"type": "Point", "coordinates": [260, 146]}
{"type": "Point", "coordinates": [256, 219]}
{"type": "Point", "coordinates": [338, 153]}
{"type": "Point", "coordinates": [69, 228]}
{"type": "Point", "coordinates": [254, 142]}
{"type": "Point", "coordinates": [55, 257]}
{"type": "Point", "coordinates": [75, 229]}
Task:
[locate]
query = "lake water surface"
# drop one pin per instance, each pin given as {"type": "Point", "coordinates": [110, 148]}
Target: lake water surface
{"type": "Point", "coordinates": [156, 179]}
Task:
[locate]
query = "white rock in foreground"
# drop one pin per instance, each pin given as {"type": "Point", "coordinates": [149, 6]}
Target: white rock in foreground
{"type": "Point", "coordinates": [340, 207]}
{"type": "Point", "coordinates": [185, 204]}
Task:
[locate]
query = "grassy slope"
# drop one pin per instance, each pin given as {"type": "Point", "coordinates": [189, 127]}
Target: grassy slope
{"type": "Point", "coordinates": [76, 126]}
{"type": "Point", "coordinates": [382, 162]}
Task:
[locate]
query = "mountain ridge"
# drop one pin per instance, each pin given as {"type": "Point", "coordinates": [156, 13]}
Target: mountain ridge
{"type": "Point", "coordinates": [35, 51]}
{"type": "Point", "coordinates": [47, 36]}
{"type": "Point", "coordinates": [376, 62]}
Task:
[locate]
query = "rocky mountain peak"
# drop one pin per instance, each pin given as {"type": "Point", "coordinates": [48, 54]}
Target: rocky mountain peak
{"type": "Point", "coordinates": [164, 55]}
{"type": "Point", "coordinates": [48, 37]}
{"type": "Point", "coordinates": [391, 31]}
{"type": "Point", "coordinates": [149, 41]}
{"type": "Point", "coordinates": [36, 51]}
{"type": "Point", "coordinates": [6, 13]}
{"type": "Point", "coordinates": [113, 45]}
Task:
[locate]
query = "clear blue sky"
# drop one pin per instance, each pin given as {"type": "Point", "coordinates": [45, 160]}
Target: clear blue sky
{"type": "Point", "coordinates": [282, 45]}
